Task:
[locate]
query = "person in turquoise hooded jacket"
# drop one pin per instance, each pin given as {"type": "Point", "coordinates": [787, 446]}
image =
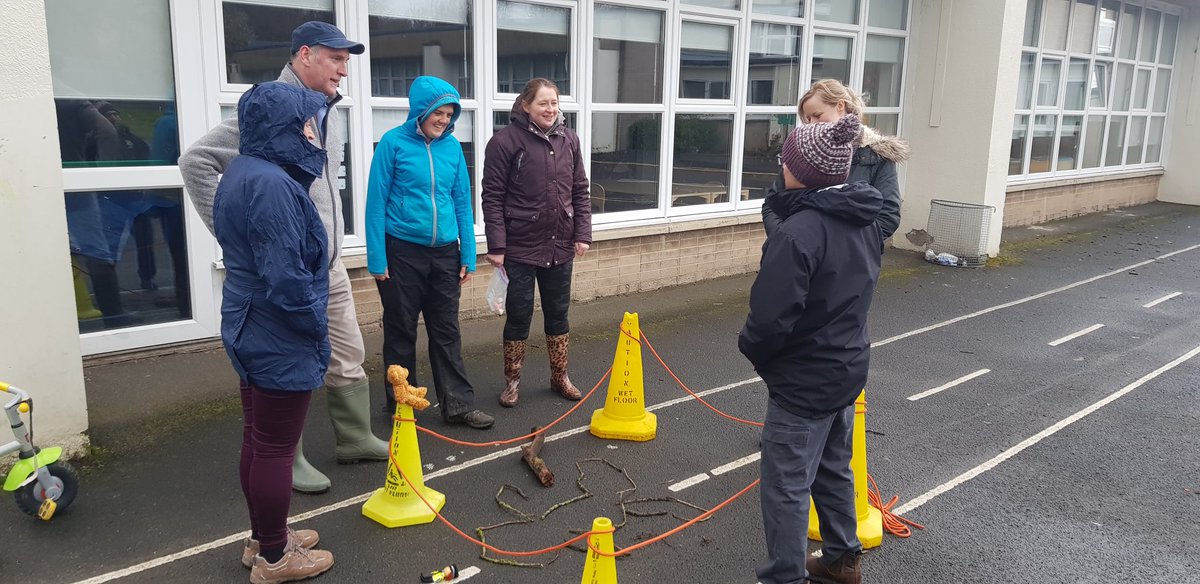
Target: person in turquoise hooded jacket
{"type": "Point", "coordinates": [421, 244]}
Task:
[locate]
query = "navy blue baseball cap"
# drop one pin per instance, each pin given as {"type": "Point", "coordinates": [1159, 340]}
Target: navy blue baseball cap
{"type": "Point", "coordinates": [314, 33]}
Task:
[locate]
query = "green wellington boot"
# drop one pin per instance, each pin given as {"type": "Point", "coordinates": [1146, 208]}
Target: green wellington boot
{"type": "Point", "coordinates": [306, 478]}
{"type": "Point", "coordinates": [350, 413]}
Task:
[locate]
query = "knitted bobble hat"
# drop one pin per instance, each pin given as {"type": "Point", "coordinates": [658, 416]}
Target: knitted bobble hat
{"type": "Point", "coordinates": [819, 155]}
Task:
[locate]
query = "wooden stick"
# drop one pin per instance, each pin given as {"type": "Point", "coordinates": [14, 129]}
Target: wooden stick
{"type": "Point", "coordinates": [530, 454]}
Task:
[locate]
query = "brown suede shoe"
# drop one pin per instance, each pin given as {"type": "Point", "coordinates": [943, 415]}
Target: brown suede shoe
{"type": "Point", "coordinates": [845, 570]}
{"type": "Point", "coordinates": [297, 563]}
{"type": "Point", "coordinates": [305, 538]}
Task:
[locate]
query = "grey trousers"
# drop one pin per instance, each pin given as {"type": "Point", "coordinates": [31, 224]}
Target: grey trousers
{"type": "Point", "coordinates": [346, 353]}
{"type": "Point", "coordinates": [803, 456]}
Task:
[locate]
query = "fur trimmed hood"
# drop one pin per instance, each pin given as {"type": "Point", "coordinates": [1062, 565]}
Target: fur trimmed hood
{"type": "Point", "coordinates": [888, 147]}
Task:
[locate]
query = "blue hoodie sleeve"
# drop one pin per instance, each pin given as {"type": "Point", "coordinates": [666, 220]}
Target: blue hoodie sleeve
{"type": "Point", "coordinates": [777, 298]}
{"type": "Point", "coordinates": [276, 234]}
{"type": "Point", "coordinates": [378, 187]}
{"type": "Point", "coordinates": [464, 214]}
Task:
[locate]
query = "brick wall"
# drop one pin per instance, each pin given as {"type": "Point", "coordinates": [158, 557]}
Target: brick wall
{"type": "Point", "coordinates": [1042, 202]}
{"type": "Point", "coordinates": [662, 256]}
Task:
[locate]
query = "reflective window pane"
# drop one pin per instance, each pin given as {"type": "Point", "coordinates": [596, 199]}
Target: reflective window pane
{"type": "Point", "coordinates": [726, 4]}
{"type": "Point", "coordinates": [532, 41]}
{"type": "Point", "coordinates": [1077, 79]}
{"type": "Point", "coordinates": [1149, 36]}
{"type": "Point", "coordinates": [845, 11]}
{"type": "Point", "coordinates": [1137, 134]}
{"type": "Point", "coordinates": [258, 35]}
{"type": "Point", "coordinates": [1106, 30]}
{"type": "Point", "coordinates": [1083, 26]}
{"type": "Point", "coordinates": [1154, 140]}
{"type": "Point", "coordinates": [705, 61]}
{"type": "Point", "coordinates": [627, 55]}
{"type": "Point", "coordinates": [128, 258]}
{"type": "Point", "coordinates": [1068, 143]}
{"type": "Point", "coordinates": [1122, 87]}
{"type": "Point", "coordinates": [1115, 151]}
{"type": "Point", "coordinates": [1048, 82]}
{"type": "Point", "coordinates": [1054, 33]}
{"type": "Point", "coordinates": [1093, 144]}
{"type": "Point", "coordinates": [886, 124]}
{"type": "Point", "coordinates": [831, 59]}
{"type": "Point", "coordinates": [1033, 23]}
{"type": "Point", "coordinates": [774, 64]}
{"type": "Point", "coordinates": [882, 67]}
{"type": "Point", "coordinates": [115, 107]}
{"type": "Point", "coordinates": [1098, 84]}
{"type": "Point", "coordinates": [1025, 83]}
{"type": "Point", "coordinates": [778, 7]}
{"type": "Point", "coordinates": [888, 14]}
{"type": "Point", "coordinates": [1166, 51]}
{"type": "Point", "coordinates": [1041, 150]}
{"type": "Point", "coordinates": [1141, 89]}
{"type": "Point", "coordinates": [1162, 89]}
{"type": "Point", "coordinates": [764, 139]}
{"type": "Point", "coordinates": [625, 168]}
{"type": "Point", "coordinates": [344, 180]}
{"type": "Point", "coordinates": [702, 159]}
{"type": "Point", "coordinates": [410, 38]}
{"type": "Point", "coordinates": [1016, 151]}
{"type": "Point", "coordinates": [1127, 31]}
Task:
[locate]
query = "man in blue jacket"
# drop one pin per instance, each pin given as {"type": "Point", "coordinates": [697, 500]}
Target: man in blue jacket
{"type": "Point", "coordinates": [806, 335]}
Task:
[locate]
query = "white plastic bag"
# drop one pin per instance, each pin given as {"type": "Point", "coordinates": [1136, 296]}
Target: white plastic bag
{"type": "Point", "coordinates": [497, 292]}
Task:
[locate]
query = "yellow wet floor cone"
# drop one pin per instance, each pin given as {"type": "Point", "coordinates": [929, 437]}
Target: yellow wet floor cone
{"type": "Point", "coordinates": [397, 503]}
{"type": "Point", "coordinates": [83, 300]}
{"type": "Point", "coordinates": [624, 416]}
{"type": "Point", "coordinates": [600, 569]}
{"type": "Point", "coordinates": [870, 520]}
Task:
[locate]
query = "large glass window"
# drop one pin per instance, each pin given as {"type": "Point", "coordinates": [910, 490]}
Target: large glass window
{"type": "Point", "coordinates": [410, 38]}
{"type": "Point", "coordinates": [831, 58]}
{"type": "Point", "coordinates": [258, 35]}
{"type": "Point", "coordinates": [705, 61]}
{"type": "Point", "coordinates": [1099, 104]}
{"type": "Point", "coordinates": [625, 167]}
{"type": "Point", "coordinates": [764, 139]}
{"type": "Point", "coordinates": [627, 55]}
{"type": "Point", "coordinates": [844, 11]}
{"type": "Point", "coordinates": [779, 7]}
{"type": "Point", "coordinates": [532, 40]}
{"type": "Point", "coordinates": [774, 64]}
{"type": "Point", "coordinates": [882, 68]}
{"type": "Point", "coordinates": [726, 4]}
{"type": "Point", "coordinates": [888, 14]}
{"type": "Point", "coordinates": [702, 163]}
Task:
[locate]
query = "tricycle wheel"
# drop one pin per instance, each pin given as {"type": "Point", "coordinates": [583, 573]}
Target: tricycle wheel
{"type": "Point", "coordinates": [30, 497]}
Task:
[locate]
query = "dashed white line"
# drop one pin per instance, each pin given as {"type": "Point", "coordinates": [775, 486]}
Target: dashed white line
{"type": "Point", "coordinates": [1161, 300]}
{"type": "Point", "coordinates": [689, 482]}
{"type": "Point", "coordinates": [743, 461]}
{"type": "Point", "coordinates": [1075, 335]}
{"type": "Point", "coordinates": [941, 388]}
{"type": "Point", "coordinates": [1011, 452]}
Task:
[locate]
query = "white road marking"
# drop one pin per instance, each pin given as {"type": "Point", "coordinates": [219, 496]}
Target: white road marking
{"type": "Point", "coordinates": [1161, 300]}
{"type": "Point", "coordinates": [743, 461]}
{"type": "Point", "coordinates": [1011, 452]}
{"type": "Point", "coordinates": [685, 483]}
{"type": "Point", "coordinates": [941, 388]}
{"type": "Point", "coordinates": [467, 573]}
{"type": "Point", "coordinates": [1075, 335]}
{"type": "Point", "coordinates": [360, 499]}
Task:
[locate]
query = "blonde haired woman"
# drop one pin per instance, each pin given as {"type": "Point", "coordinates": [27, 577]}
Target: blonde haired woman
{"type": "Point", "coordinates": [875, 156]}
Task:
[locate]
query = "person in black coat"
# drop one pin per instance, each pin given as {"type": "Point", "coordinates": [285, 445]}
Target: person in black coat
{"type": "Point", "coordinates": [806, 335]}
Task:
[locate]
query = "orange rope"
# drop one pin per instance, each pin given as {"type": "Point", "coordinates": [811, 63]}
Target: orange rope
{"type": "Point", "coordinates": [892, 523]}
{"type": "Point", "coordinates": [692, 393]}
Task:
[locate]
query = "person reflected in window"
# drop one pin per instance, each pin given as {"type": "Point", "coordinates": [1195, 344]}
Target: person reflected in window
{"type": "Point", "coordinates": [421, 244]}
{"type": "Point", "coordinates": [274, 321]}
{"type": "Point", "coordinates": [538, 218]}
{"type": "Point", "coordinates": [875, 156]}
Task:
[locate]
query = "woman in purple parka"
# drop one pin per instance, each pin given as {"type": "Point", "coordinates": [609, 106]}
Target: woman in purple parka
{"type": "Point", "coordinates": [538, 217]}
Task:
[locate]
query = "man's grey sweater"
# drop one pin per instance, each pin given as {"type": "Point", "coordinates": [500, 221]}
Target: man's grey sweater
{"type": "Point", "coordinates": [205, 161]}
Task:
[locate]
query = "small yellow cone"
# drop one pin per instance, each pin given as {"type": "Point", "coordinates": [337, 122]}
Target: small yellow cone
{"type": "Point", "coordinates": [600, 569]}
{"type": "Point", "coordinates": [83, 300]}
{"type": "Point", "coordinates": [624, 416]}
{"type": "Point", "coordinates": [870, 520]}
{"type": "Point", "coordinates": [397, 504]}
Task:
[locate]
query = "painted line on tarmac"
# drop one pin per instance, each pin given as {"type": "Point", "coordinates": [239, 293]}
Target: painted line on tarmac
{"type": "Point", "coordinates": [1161, 300]}
{"type": "Point", "coordinates": [946, 323]}
{"type": "Point", "coordinates": [944, 387]}
{"type": "Point", "coordinates": [1011, 452]}
{"type": "Point", "coordinates": [360, 499]}
{"type": "Point", "coordinates": [1075, 335]}
{"type": "Point", "coordinates": [743, 461]}
{"type": "Point", "coordinates": [688, 482]}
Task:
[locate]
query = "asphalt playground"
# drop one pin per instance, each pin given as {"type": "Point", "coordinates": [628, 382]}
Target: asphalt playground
{"type": "Point", "coordinates": [1038, 417]}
